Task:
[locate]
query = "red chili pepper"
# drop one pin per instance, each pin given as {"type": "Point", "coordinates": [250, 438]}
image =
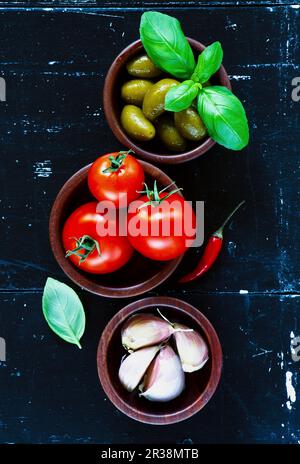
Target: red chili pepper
{"type": "Point", "coordinates": [211, 252]}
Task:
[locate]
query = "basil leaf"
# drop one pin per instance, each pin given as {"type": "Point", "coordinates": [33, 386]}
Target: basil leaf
{"type": "Point", "coordinates": [63, 311]}
{"type": "Point", "coordinates": [209, 61]}
{"type": "Point", "coordinates": [224, 117]}
{"type": "Point", "coordinates": [166, 44]}
{"type": "Point", "coordinates": [181, 97]}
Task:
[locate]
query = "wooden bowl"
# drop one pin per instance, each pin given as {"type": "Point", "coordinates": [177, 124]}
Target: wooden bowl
{"type": "Point", "coordinates": [138, 276]}
{"type": "Point", "coordinates": [151, 151]}
{"type": "Point", "coordinates": [200, 385]}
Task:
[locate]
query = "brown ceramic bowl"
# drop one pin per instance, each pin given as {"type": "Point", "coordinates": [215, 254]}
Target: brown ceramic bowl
{"type": "Point", "coordinates": [138, 276]}
{"type": "Point", "coordinates": [151, 151]}
{"type": "Point", "coordinates": [200, 385]}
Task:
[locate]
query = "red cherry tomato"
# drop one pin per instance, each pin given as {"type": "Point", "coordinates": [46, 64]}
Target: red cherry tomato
{"type": "Point", "coordinates": [88, 248]}
{"type": "Point", "coordinates": [161, 226]}
{"type": "Point", "coordinates": [115, 175]}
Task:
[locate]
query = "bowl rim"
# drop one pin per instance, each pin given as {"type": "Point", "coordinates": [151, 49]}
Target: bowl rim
{"type": "Point", "coordinates": [215, 350]}
{"type": "Point", "coordinates": [70, 270]}
{"type": "Point", "coordinates": [114, 122]}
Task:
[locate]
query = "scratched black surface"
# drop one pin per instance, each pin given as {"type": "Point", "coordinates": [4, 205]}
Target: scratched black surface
{"type": "Point", "coordinates": [54, 62]}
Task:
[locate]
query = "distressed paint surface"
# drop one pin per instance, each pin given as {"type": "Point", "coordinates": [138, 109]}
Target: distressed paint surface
{"type": "Point", "coordinates": [54, 61]}
{"type": "Point", "coordinates": [42, 401]}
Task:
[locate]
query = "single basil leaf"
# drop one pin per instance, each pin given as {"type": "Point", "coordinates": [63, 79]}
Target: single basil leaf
{"type": "Point", "coordinates": [63, 311]}
{"type": "Point", "coordinates": [209, 61]}
{"type": "Point", "coordinates": [166, 44]}
{"type": "Point", "coordinates": [181, 97]}
{"type": "Point", "coordinates": [224, 117]}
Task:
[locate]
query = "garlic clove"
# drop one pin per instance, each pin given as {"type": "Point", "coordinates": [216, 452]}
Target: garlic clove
{"type": "Point", "coordinates": [191, 347]}
{"type": "Point", "coordinates": [164, 379]}
{"type": "Point", "coordinates": [145, 330]}
{"type": "Point", "coordinates": [134, 366]}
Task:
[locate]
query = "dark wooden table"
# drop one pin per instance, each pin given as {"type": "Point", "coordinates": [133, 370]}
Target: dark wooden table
{"type": "Point", "coordinates": [54, 57]}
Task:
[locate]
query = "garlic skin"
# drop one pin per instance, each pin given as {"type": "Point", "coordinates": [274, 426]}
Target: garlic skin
{"type": "Point", "coordinates": [145, 330]}
{"type": "Point", "coordinates": [164, 379]}
{"type": "Point", "coordinates": [191, 347]}
{"type": "Point", "coordinates": [134, 366]}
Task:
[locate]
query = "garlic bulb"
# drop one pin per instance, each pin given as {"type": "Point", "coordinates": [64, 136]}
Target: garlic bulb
{"type": "Point", "coordinates": [134, 366]}
{"type": "Point", "coordinates": [191, 347]}
{"type": "Point", "coordinates": [164, 379]}
{"type": "Point", "coordinates": [144, 330]}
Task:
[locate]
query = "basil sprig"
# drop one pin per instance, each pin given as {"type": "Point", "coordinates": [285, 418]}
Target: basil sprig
{"type": "Point", "coordinates": [63, 311]}
{"type": "Point", "coordinates": [222, 112]}
{"type": "Point", "coordinates": [166, 44]}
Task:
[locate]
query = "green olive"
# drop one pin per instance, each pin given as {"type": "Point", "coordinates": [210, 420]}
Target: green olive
{"type": "Point", "coordinates": [142, 66]}
{"type": "Point", "coordinates": [169, 135]}
{"type": "Point", "coordinates": [135, 123]}
{"type": "Point", "coordinates": [134, 91]}
{"type": "Point", "coordinates": [190, 125]}
{"type": "Point", "coordinates": [154, 100]}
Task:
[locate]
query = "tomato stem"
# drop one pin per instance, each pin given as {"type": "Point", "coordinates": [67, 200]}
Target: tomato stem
{"type": "Point", "coordinates": [86, 244]}
{"type": "Point", "coordinates": [154, 195]}
{"type": "Point", "coordinates": [116, 162]}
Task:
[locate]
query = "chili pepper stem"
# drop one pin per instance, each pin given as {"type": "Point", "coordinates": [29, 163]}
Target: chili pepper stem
{"type": "Point", "coordinates": [219, 232]}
